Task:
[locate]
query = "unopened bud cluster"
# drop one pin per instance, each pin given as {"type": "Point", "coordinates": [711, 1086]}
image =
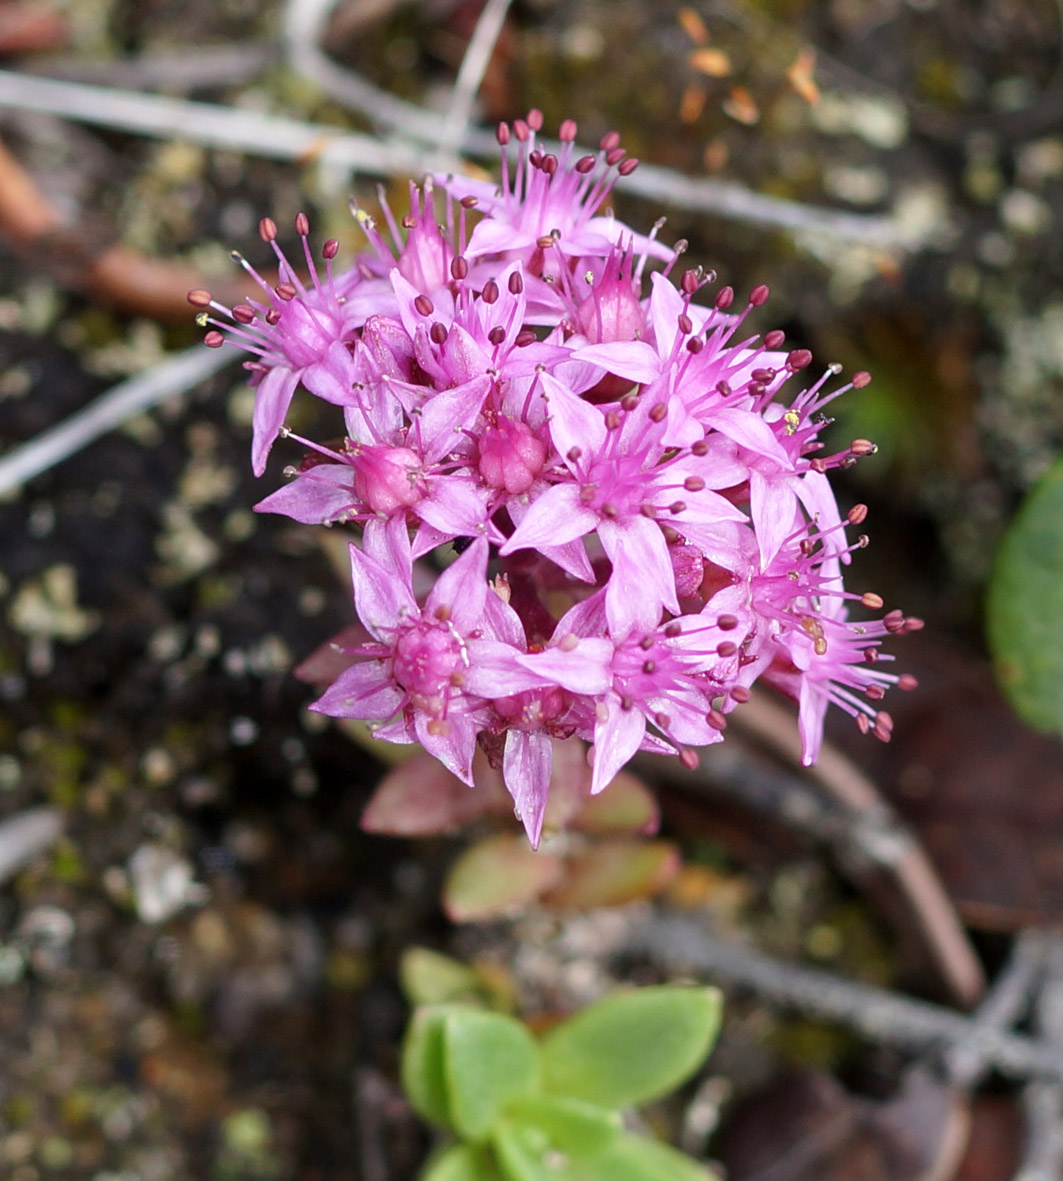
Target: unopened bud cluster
{"type": "Point", "coordinates": [633, 484]}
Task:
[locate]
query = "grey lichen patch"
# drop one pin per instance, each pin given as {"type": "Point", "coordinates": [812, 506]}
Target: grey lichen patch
{"type": "Point", "coordinates": [45, 609]}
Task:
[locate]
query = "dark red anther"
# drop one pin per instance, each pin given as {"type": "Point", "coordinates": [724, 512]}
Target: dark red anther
{"type": "Point", "coordinates": [330, 250]}
{"type": "Point", "coordinates": [545, 242]}
{"type": "Point", "coordinates": [285, 291]}
{"type": "Point", "coordinates": [700, 448]}
{"type": "Point", "coordinates": [267, 229]}
{"type": "Point", "coordinates": [567, 131]}
{"type": "Point", "coordinates": [727, 623]}
{"type": "Point", "coordinates": [685, 324]}
{"type": "Point", "coordinates": [798, 359]}
{"type": "Point", "coordinates": [469, 202]}
{"type": "Point", "coordinates": [762, 375]}
{"type": "Point", "coordinates": [689, 282]}
{"type": "Point", "coordinates": [438, 333]}
{"type": "Point", "coordinates": [199, 298]}
{"type": "Point", "coordinates": [695, 344]}
{"type": "Point", "coordinates": [273, 317]}
{"type": "Point", "coordinates": [609, 141]}
{"type": "Point", "coordinates": [740, 694]}
{"type": "Point", "coordinates": [857, 515]}
{"type": "Point", "coordinates": [535, 158]}
{"type": "Point", "coordinates": [694, 484]}
{"type": "Point", "coordinates": [497, 335]}
{"type": "Point", "coordinates": [214, 339]}
{"type": "Point", "coordinates": [516, 283]}
{"type": "Point", "coordinates": [615, 156]}
{"type": "Point", "coordinates": [424, 305]}
{"type": "Point", "coordinates": [584, 165]}
{"type": "Point", "coordinates": [549, 164]}
{"type": "Point", "coordinates": [774, 338]}
{"type": "Point", "coordinates": [658, 412]}
{"type": "Point", "coordinates": [673, 630]}
{"type": "Point", "coordinates": [535, 119]}
{"type": "Point", "coordinates": [724, 298]}
{"type": "Point", "coordinates": [862, 724]}
{"type": "Point", "coordinates": [524, 338]}
{"type": "Point", "coordinates": [521, 130]}
{"type": "Point", "coordinates": [759, 296]}
{"type": "Point", "coordinates": [502, 134]}
{"type": "Point", "coordinates": [874, 693]}
{"type": "Point", "coordinates": [628, 166]}
{"type": "Point", "coordinates": [629, 401]}
{"type": "Point", "coordinates": [490, 292]}
{"type": "Point", "coordinates": [871, 600]}
{"type": "Point", "coordinates": [677, 507]}
{"type": "Point", "coordinates": [906, 683]}
{"type": "Point", "coordinates": [726, 648]}
{"type": "Point", "coordinates": [716, 719]}
{"type": "Point", "coordinates": [862, 447]}
{"type": "Point", "coordinates": [688, 758]}
{"type": "Point", "coordinates": [612, 420]}
{"type": "Point", "coordinates": [459, 268]}
{"type": "Point", "coordinates": [243, 314]}
{"type": "Point", "coordinates": [302, 225]}
{"type": "Point", "coordinates": [861, 379]}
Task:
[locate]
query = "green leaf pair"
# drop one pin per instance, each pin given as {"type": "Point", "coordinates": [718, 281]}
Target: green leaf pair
{"type": "Point", "coordinates": [549, 1110]}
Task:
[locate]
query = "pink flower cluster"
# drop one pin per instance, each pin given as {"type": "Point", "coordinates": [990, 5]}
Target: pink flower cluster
{"type": "Point", "coordinates": [644, 527]}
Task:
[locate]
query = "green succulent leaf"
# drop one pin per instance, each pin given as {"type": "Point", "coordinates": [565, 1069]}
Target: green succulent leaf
{"type": "Point", "coordinates": [462, 1162]}
{"type": "Point", "coordinates": [637, 1158]}
{"type": "Point", "coordinates": [1025, 606]}
{"type": "Point", "coordinates": [489, 1060]}
{"type": "Point", "coordinates": [571, 1126]}
{"type": "Point", "coordinates": [423, 1071]}
{"type": "Point", "coordinates": [431, 978]}
{"type": "Point", "coordinates": [631, 1047]}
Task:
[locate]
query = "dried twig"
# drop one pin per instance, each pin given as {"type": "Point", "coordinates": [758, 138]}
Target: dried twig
{"type": "Point", "coordinates": [1042, 1101]}
{"type": "Point", "coordinates": [473, 66]}
{"type": "Point", "coordinates": [179, 372]}
{"type": "Point", "coordinates": [680, 944]}
{"type": "Point", "coordinates": [290, 139]}
{"type": "Point", "coordinates": [1004, 1003]}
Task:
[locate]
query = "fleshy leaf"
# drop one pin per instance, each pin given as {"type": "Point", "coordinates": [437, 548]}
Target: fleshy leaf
{"type": "Point", "coordinates": [489, 1061]}
{"type": "Point", "coordinates": [496, 877]}
{"type": "Point", "coordinates": [614, 872]}
{"type": "Point", "coordinates": [423, 1064]}
{"type": "Point", "coordinates": [1025, 606]}
{"type": "Point", "coordinates": [461, 1162]}
{"type": "Point", "coordinates": [626, 806]}
{"type": "Point", "coordinates": [421, 797]}
{"type": "Point", "coordinates": [638, 1158]}
{"type": "Point", "coordinates": [431, 978]}
{"type": "Point", "coordinates": [631, 1047]}
{"type": "Point", "coordinates": [571, 1126]}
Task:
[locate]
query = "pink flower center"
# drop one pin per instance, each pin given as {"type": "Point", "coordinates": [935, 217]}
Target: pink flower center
{"type": "Point", "coordinates": [511, 456]}
{"type": "Point", "coordinates": [387, 478]}
{"type": "Point", "coordinates": [429, 660]}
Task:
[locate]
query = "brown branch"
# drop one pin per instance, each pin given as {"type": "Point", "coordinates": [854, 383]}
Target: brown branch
{"type": "Point", "coordinates": [115, 275]}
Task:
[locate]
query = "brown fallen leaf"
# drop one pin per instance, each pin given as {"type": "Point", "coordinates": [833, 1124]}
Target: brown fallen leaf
{"type": "Point", "coordinates": [810, 1128]}
{"type": "Point", "coordinates": [983, 791]}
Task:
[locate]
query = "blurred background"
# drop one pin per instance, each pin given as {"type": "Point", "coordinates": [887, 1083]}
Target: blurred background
{"type": "Point", "coordinates": [197, 944]}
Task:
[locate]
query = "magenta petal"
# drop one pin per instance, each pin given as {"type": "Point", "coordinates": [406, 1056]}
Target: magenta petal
{"type": "Point", "coordinates": [272, 399]}
{"type": "Point", "coordinates": [573, 422]}
{"type": "Point", "coordinates": [584, 668]}
{"type": "Point", "coordinates": [321, 495]}
{"type": "Point", "coordinates": [642, 581]}
{"type": "Point", "coordinates": [633, 360]}
{"type": "Point", "coordinates": [461, 589]}
{"type": "Point", "coordinates": [381, 599]}
{"type": "Point", "coordinates": [495, 670]}
{"type": "Point", "coordinates": [364, 690]}
{"type": "Point", "coordinates": [554, 517]}
{"type": "Point", "coordinates": [455, 748]}
{"type": "Point", "coordinates": [332, 378]}
{"type": "Point", "coordinates": [772, 506]}
{"type": "Point", "coordinates": [455, 506]}
{"type": "Point", "coordinates": [615, 741]}
{"type": "Point", "coordinates": [526, 765]}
